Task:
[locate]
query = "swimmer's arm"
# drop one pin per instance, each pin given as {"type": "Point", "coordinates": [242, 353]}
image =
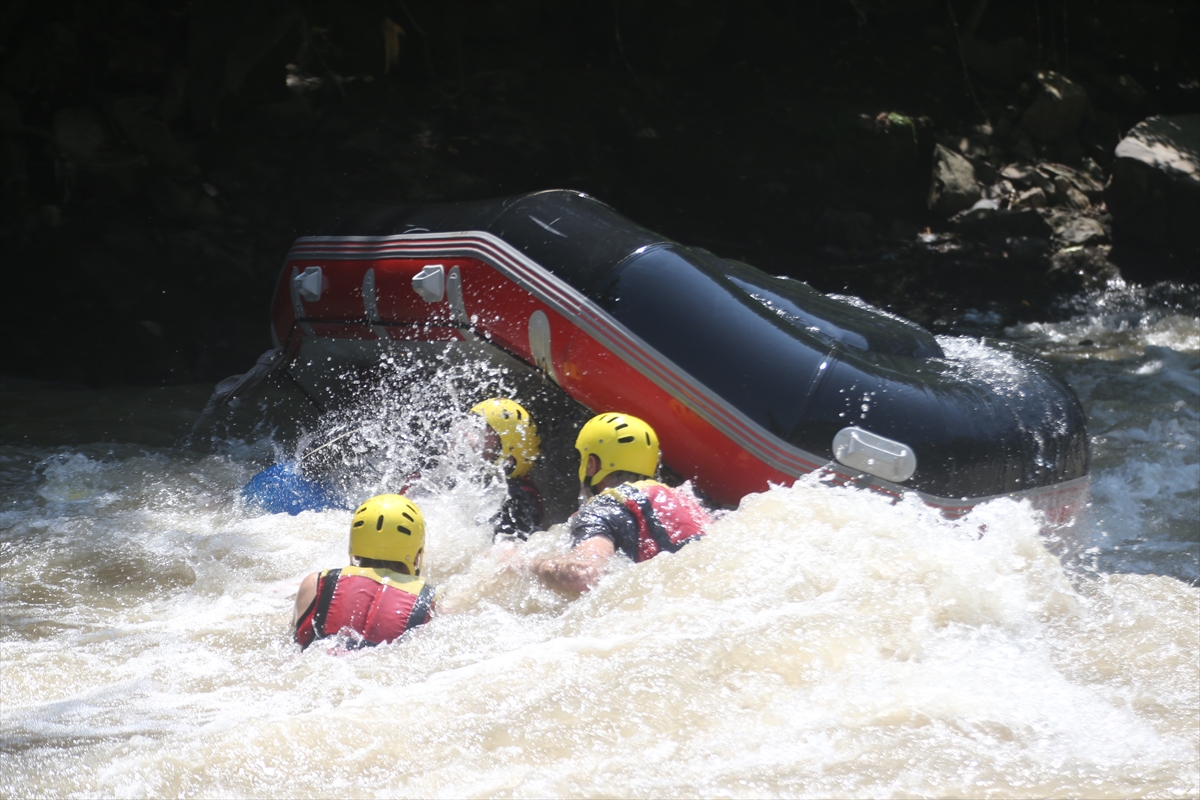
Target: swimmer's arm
{"type": "Point", "coordinates": [578, 570]}
{"type": "Point", "coordinates": [305, 596]}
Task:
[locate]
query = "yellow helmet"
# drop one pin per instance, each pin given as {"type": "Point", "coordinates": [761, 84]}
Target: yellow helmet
{"type": "Point", "coordinates": [518, 435]}
{"type": "Point", "coordinates": [622, 442]}
{"type": "Point", "coordinates": [389, 527]}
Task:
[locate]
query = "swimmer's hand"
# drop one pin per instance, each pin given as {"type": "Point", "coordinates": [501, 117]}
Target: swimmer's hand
{"type": "Point", "coordinates": [576, 571]}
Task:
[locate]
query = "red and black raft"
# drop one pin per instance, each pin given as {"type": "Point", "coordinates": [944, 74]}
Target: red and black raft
{"type": "Point", "coordinates": [749, 379]}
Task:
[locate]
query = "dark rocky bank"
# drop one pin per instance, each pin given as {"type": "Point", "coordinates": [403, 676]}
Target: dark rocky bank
{"type": "Point", "coordinates": [158, 157]}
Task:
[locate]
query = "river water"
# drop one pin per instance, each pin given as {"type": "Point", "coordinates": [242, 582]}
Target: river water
{"type": "Point", "coordinates": [819, 642]}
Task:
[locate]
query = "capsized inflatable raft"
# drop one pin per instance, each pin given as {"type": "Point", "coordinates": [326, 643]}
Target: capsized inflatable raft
{"type": "Point", "coordinates": [749, 379]}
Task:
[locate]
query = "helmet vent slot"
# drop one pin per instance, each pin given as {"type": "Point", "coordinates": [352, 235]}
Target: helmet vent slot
{"type": "Point", "coordinates": [626, 439]}
{"type": "Point", "coordinates": [404, 530]}
{"type": "Point", "coordinates": [358, 523]}
{"type": "Point", "coordinates": [379, 523]}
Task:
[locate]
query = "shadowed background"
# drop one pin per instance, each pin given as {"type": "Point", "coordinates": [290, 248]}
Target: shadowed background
{"type": "Point", "coordinates": [157, 158]}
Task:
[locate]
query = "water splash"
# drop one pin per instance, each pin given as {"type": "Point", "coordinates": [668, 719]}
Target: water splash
{"type": "Point", "coordinates": [821, 641]}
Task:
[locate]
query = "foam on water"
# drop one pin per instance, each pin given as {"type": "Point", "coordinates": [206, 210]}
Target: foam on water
{"type": "Point", "coordinates": [820, 641]}
{"type": "Point", "coordinates": [1135, 364]}
{"type": "Point", "coordinates": [1118, 321]}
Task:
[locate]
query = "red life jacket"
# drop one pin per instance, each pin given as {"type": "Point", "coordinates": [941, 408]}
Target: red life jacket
{"type": "Point", "coordinates": [667, 518]}
{"type": "Point", "coordinates": [374, 606]}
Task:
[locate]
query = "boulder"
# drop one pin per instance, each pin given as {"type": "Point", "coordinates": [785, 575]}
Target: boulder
{"type": "Point", "coordinates": [1077, 230]}
{"type": "Point", "coordinates": [954, 186]}
{"type": "Point", "coordinates": [1154, 191]}
{"type": "Point", "coordinates": [1057, 110]}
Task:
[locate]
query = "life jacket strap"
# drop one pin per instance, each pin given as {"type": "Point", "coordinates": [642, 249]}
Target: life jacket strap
{"type": "Point", "coordinates": [329, 581]}
{"type": "Point", "coordinates": [421, 609]}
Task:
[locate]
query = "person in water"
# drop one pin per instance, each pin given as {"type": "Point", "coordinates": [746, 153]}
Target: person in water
{"type": "Point", "coordinates": [381, 594]}
{"type": "Point", "coordinates": [624, 509]}
{"type": "Point", "coordinates": [512, 443]}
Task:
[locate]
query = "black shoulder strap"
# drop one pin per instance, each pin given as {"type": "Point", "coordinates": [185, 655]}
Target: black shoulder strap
{"type": "Point", "coordinates": [305, 617]}
{"type": "Point", "coordinates": [324, 598]}
{"type": "Point", "coordinates": [421, 609]}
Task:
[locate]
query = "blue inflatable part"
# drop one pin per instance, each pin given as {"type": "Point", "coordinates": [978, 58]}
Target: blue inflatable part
{"type": "Point", "coordinates": [282, 489]}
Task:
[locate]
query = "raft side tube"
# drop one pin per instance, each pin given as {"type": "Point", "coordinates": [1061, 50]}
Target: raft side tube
{"type": "Point", "coordinates": [748, 378]}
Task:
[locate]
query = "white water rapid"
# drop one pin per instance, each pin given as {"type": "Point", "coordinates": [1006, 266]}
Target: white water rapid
{"type": "Point", "coordinates": [819, 642]}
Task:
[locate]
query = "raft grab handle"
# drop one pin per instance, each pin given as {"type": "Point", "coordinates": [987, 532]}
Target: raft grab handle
{"type": "Point", "coordinates": [874, 454]}
{"type": "Point", "coordinates": [309, 284]}
{"type": "Point", "coordinates": [430, 283]}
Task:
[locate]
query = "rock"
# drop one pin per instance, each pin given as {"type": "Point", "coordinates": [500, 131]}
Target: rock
{"type": "Point", "coordinates": [1017, 172]}
{"type": "Point", "coordinates": [975, 146]}
{"type": "Point", "coordinates": [1001, 190]}
{"type": "Point", "coordinates": [1168, 143]}
{"type": "Point", "coordinates": [1057, 110]}
{"type": "Point", "coordinates": [1075, 230]}
{"type": "Point", "coordinates": [1026, 248]}
{"type": "Point", "coordinates": [1082, 267]}
{"type": "Point", "coordinates": [1062, 175]}
{"type": "Point", "coordinates": [1154, 190]}
{"type": "Point", "coordinates": [1094, 171]}
{"type": "Point", "coordinates": [954, 186]}
{"type": "Point", "coordinates": [1032, 198]}
{"type": "Point", "coordinates": [1028, 176]}
{"type": "Point", "coordinates": [1066, 194]}
{"type": "Point", "coordinates": [1077, 199]}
